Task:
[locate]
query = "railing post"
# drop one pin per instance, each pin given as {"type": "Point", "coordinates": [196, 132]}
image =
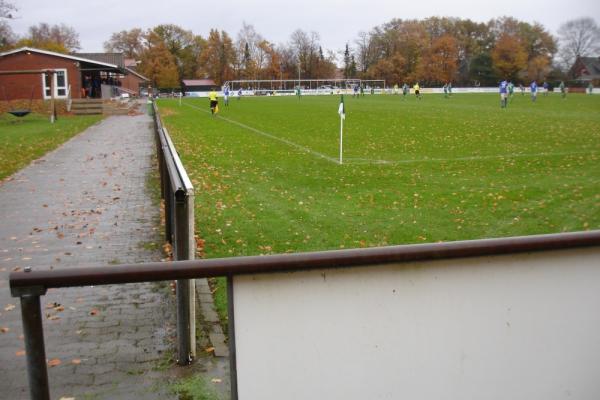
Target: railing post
{"type": "Point", "coordinates": [185, 319]}
{"type": "Point", "coordinates": [33, 332]}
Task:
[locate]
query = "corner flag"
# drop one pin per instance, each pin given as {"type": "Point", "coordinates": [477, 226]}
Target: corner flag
{"type": "Point", "coordinates": [342, 112]}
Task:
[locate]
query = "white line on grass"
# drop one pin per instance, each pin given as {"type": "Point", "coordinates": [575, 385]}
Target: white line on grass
{"type": "Point", "coordinates": [357, 161]}
{"type": "Point", "coordinates": [472, 158]}
{"type": "Point", "coordinates": [288, 142]}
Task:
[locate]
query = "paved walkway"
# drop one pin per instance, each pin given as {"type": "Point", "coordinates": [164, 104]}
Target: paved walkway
{"type": "Point", "coordinates": [87, 204]}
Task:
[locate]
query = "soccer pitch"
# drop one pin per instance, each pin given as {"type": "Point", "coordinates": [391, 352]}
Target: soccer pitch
{"type": "Point", "coordinates": [267, 177]}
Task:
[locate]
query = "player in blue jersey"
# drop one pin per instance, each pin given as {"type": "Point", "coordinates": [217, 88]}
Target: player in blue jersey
{"type": "Point", "coordinates": [503, 93]}
{"type": "Point", "coordinates": [533, 89]}
{"type": "Point", "coordinates": [226, 96]}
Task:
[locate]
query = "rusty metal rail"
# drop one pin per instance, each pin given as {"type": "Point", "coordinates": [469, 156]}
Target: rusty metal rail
{"type": "Point", "coordinates": [149, 272]}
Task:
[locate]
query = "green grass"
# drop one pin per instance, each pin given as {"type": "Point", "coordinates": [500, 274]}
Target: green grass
{"type": "Point", "coordinates": [416, 171]}
{"type": "Point", "coordinates": [194, 388]}
{"type": "Point", "coordinates": [23, 140]}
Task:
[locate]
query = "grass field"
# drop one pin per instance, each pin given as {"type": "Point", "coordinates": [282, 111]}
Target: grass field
{"type": "Point", "coordinates": [23, 140]}
{"type": "Point", "coordinates": [267, 178]}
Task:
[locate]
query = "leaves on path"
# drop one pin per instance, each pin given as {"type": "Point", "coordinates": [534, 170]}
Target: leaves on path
{"type": "Point", "coordinates": [20, 353]}
{"type": "Point", "coordinates": [4, 329]}
{"type": "Point", "coordinates": [94, 311]}
{"type": "Point", "coordinates": [9, 307]}
{"type": "Point", "coordinates": [54, 362]}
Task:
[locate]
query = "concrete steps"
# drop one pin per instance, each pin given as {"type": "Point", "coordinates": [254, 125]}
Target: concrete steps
{"type": "Point", "coordinates": [100, 107]}
{"type": "Point", "coordinates": [86, 106]}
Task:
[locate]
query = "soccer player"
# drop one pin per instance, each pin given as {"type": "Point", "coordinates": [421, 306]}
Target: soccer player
{"type": "Point", "coordinates": [445, 91]}
{"type": "Point", "coordinates": [511, 90]}
{"type": "Point", "coordinates": [396, 88]}
{"type": "Point", "coordinates": [450, 89]}
{"type": "Point", "coordinates": [299, 92]}
{"type": "Point", "coordinates": [239, 94]}
{"type": "Point", "coordinates": [503, 93]}
{"type": "Point", "coordinates": [226, 96]}
{"type": "Point", "coordinates": [417, 90]}
{"type": "Point", "coordinates": [522, 88]}
{"type": "Point", "coordinates": [404, 90]}
{"type": "Point", "coordinates": [214, 102]}
{"type": "Point", "coordinates": [545, 86]}
{"type": "Point", "coordinates": [533, 88]}
{"type": "Point", "coordinates": [590, 88]}
{"type": "Point", "coordinates": [563, 90]}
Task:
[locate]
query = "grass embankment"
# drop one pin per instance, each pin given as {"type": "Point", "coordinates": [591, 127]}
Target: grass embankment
{"type": "Point", "coordinates": [23, 140]}
{"type": "Point", "coordinates": [415, 171]}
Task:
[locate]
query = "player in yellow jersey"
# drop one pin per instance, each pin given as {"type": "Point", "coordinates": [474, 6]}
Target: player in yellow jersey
{"type": "Point", "coordinates": [417, 90]}
{"type": "Point", "coordinates": [214, 102]}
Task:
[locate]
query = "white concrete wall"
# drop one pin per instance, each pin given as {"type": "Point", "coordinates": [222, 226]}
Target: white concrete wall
{"type": "Point", "coordinates": [523, 326]}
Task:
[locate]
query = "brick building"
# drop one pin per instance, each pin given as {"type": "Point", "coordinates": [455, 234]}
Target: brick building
{"type": "Point", "coordinates": [82, 74]}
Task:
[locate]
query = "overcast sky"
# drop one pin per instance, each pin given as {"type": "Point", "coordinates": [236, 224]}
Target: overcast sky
{"type": "Point", "coordinates": [336, 21]}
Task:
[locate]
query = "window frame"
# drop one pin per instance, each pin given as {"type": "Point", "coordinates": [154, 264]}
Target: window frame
{"type": "Point", "coordinates": [46, 89]}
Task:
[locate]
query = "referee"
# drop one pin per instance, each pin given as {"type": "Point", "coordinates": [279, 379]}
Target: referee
{"type": "Point", "coordinates": [214, 102]}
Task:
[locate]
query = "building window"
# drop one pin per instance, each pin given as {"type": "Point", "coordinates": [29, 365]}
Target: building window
{"type": "Point", "coordinates": [60, 84]}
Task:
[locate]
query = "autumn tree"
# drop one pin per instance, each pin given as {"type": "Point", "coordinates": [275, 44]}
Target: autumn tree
{"type": "Point", "coordinates": [391, 69]}
{"type": "Point", "coordinates": [183, 46]}
{"type": "Point", "coordinates": [158, 64]}
{"type": "Point", "coordinates": [130, 43]}
{"type": "Point", "coordinates": [60, 38]}
{"type": "Point", "coordinates": [509, 57]}
{"type": "Point", "coordinates": [217, 59]}
{"type": "Point", "coordinates": [440, 62]}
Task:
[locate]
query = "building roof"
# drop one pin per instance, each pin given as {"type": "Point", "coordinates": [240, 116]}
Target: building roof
{"type": "Point", "coordinates": [109, 58]}
{"type": "Point", "coordinates": [587, 68]}
{"type": "Point", "coordinates": [198, 82]}
{"type": "Point", "coordinates": [61, 55]}
{"type": "Point", "coordinates": [131, 71]}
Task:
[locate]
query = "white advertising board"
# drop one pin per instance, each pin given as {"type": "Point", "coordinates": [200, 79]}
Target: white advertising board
{"type": "Point", "coordinates": [523, 326]}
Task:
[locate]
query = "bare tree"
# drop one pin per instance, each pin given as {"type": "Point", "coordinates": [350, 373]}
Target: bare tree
{"type": "Point", "coordinates": [7, 9]}
{"type": "Point", "coordinates": [45, 35]}
{"type": "Point", "coordinates": [578, 38]}
{"type": "Point", "coordinates": [130, 43]}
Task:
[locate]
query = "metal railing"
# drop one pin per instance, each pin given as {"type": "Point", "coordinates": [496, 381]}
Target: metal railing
{"type": "Point", "coordinates": [178, 194]}
{"type": "Point", "coordinates": [30, 285]}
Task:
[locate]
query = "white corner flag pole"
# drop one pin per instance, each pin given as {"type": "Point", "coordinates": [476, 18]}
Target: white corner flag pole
{"type": "Point", "coordinates": [341, 138]}
{"type": "Point", "coordinates": [342, 112]}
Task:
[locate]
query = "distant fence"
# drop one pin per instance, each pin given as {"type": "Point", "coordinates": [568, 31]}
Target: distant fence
{"type": "Point", "coordinates": [325, 92]}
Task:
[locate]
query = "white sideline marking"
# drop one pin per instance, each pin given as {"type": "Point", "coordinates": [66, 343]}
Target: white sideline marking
{"type": "Point", "coordinates": [288, 142]}
{"type": "Point", "coordinates": [472, 158]}
{"type": "Point", "coordinates": [366, 161]}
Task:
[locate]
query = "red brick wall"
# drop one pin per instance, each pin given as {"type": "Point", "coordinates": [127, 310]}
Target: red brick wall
{"type": "Point", "coordinates": [131, 82]}
{"type": "Point", "coordinates": [19, 86]}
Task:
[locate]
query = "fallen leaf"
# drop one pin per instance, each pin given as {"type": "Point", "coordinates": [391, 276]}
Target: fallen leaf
{"type": "Point", "coordinates": [53, 317]}
{"type": "Point", "coordinates": [4, 329]}
{"type": "Point", "coordinates": [76, 361]}
{"type": "Point", "coordinates": [9, 307]}
{"type": "Point", "coordinates": [20, 353]}
{"type": "Point", "coordinates": [209, 349]}
{"type": "Point", "coordinates": [67, 398]}
{"type": "Point", "coordinates": [54, 362]}
{"type": "Point", "coordinates": [94, 312]}
{"type": "Point", "coordinates": [216, 380]}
